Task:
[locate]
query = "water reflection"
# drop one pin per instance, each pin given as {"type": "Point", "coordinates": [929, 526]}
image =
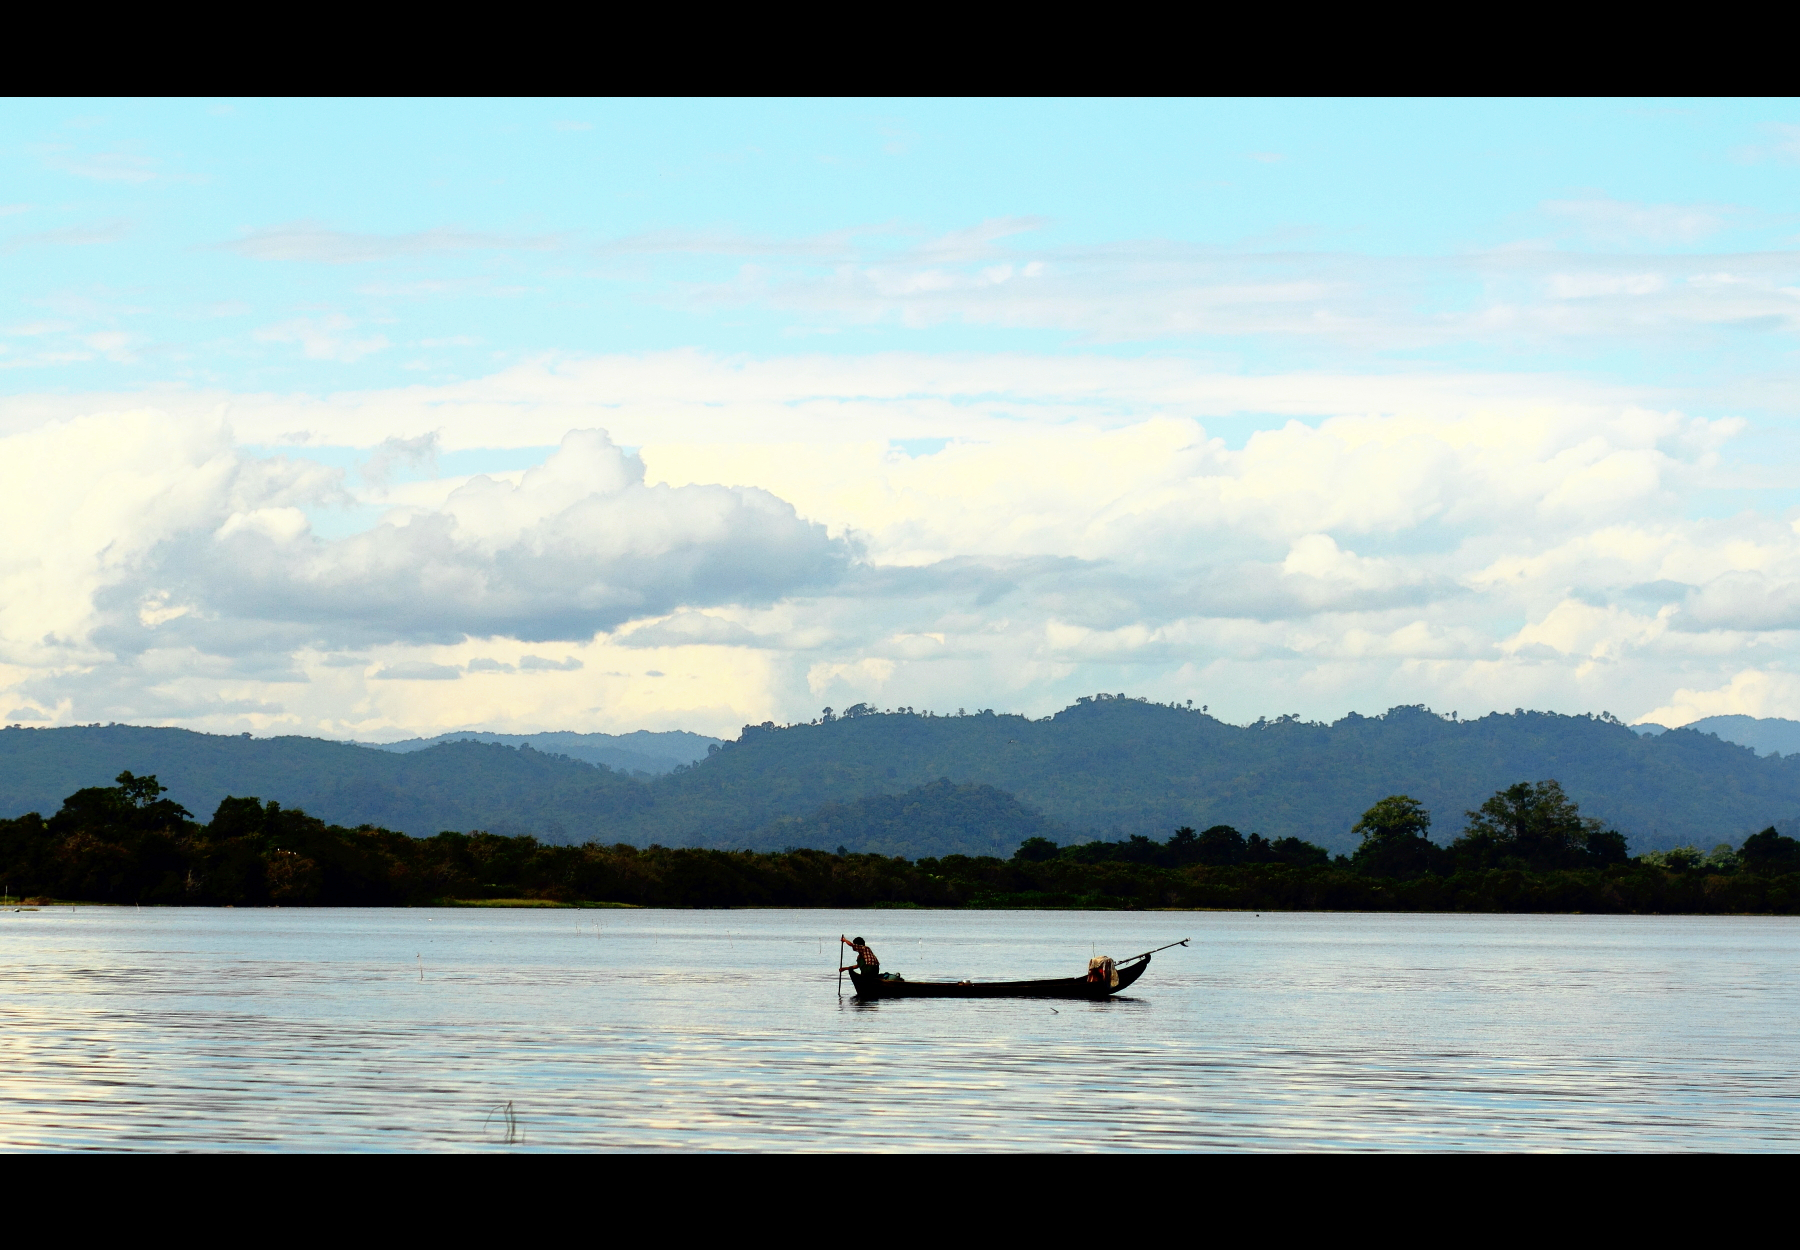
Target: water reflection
{"type": "Point", "coordinates": [546, 1030]}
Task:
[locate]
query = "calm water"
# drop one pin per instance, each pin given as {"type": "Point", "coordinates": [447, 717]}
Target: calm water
{"type": "Point", "coordinates": [168, 1029]}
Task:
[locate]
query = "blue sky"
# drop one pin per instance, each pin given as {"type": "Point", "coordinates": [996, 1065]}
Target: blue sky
{"type": "Point", "coordinates": [470, 233]}
{"type": "Point", "coordinates": [1582, 313]}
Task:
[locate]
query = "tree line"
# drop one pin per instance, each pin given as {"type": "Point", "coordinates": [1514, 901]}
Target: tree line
{"type": "Point", "coordinates": [1105, 767]}
{"type": "Point", "coordinates": [1527, 848]}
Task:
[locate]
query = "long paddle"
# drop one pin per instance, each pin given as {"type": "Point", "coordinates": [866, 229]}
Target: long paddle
{"type": "Point", "coordinates": [840, 959]}
{"type": "Point", "coordinates": [1147, 954]}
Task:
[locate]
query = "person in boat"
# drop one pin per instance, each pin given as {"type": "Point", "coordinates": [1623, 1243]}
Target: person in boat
{"type": "Point", "coordinates": [866, 962]}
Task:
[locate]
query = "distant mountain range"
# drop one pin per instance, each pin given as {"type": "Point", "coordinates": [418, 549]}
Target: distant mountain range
{"type": "Point", "coordinates": [642, 751]}
{"type": "Point", "coordinates": [1768, 735]}
{"type": "Point", "coordinates": [1105, 768]}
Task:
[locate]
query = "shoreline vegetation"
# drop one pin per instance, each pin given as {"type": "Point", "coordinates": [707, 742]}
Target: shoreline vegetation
{"type": "Point", "coordinates": [1526, 849]}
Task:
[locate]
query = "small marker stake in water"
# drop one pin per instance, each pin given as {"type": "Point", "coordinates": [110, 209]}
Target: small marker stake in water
{"type": "Point", "coordinates": [421, 965]}
{"type": "Point", "coordinates": [509, 1121]}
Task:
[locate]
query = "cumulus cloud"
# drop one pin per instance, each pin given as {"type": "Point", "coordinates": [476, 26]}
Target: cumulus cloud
{"type": "Point", "coordinates": [1490, 548]}
{"type": "Point", "coordinates": [1750, 692]}
{"type": "Point", "coordinates": [1755, 599]}
{"type": "Point", "coordinates": [157, 572]}
{"type": "Point", "coordinates": [579, 544]}
{"type": "Point", "coordinates": [87, 503]}
{"type": "Point", "coordinates": [421, 451]}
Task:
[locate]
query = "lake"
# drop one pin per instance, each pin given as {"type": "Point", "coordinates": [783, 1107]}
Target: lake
{"type": "Point", "coordinates": [490, 1029]}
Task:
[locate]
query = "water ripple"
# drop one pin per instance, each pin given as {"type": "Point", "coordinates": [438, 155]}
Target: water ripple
{"type": "Point", "coordinates": [418, 1030]}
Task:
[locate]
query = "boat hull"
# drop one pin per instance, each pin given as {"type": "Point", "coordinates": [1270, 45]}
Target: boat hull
{"type": "Point", "coordinates": [869, 988]}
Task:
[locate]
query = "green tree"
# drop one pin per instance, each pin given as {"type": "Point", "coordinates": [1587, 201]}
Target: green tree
{"type": "Point", "coordinates": [1219, 845]}
{"type": "Point", "coordinates": [1395, 839]}
{"type": "Point", "coordinates": [133, 804]}
{"type": "Point", "coordinates": [1769, 852]}
{"type": "Point", "coordinates": [1183, 845]}
{"type": "Point", "coordinates": [1536, 826]}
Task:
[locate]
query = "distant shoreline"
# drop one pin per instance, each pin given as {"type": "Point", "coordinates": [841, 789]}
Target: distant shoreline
{"type": "Point", "coordinates": [541, 904]}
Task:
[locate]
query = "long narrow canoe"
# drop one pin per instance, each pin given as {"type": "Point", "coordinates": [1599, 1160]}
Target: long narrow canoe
{"type": "Point", "coordinates": [868, 988]}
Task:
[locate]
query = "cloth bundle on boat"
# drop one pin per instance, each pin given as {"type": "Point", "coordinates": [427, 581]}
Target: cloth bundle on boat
{"type": "Point", "coordinates": [1102, 971]}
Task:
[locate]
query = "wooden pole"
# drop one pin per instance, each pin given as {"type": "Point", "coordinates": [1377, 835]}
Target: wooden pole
{"type": "Point", "coordinates": [840, 955]}
{"type": "Point", "coordinates": [1135, 958]}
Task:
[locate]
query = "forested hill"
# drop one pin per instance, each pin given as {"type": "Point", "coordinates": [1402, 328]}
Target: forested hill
{"type": "Point", "coordinates": [1111, 767]}
{"type": "Point", "coordinates": [461, 785]}
{"type": "Point", "coordinates": [642, 751]}
{"type": "Point", "coordinates": [1104, 768]}
{"type": "Point", "coordinates": [1769, 735]}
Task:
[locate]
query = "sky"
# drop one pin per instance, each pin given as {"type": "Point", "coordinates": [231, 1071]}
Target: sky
{"type": "Point", "coordinates": [367, 419]}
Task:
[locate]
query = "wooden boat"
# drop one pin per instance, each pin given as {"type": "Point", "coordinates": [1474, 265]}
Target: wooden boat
{"type": "Point", "coordinates": [869, 988]}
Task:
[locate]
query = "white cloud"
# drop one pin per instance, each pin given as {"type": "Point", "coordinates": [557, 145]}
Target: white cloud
{"type": "Point", "coordinates": [311, 241]}
{"type": "Point", "coordinates": [836, 245]}
{"type": "Point", "coordinates": [85, 503]}
{"type": "Point", "coordinates": [975, 243]}
{"type": "Point", "coordinates": [420, 451]}
{"type": "Point", "coordinates": [1590, 285]}
{"type": "Point", "coordinates": [323, 338]}
{"type": "Point", "coordinates": [1752, 692]}
{"type": "Point", "coordinates": [1622, 222]}
{"type": "Point", "coordinates": [1634, 291]}
{"type": "Point", "coordinates": [1783, 144]}
{"type": "Point", "coordinates": [70, 236]}
{"type": "Point", "coordinates": [538, 664]}
{"type": "Point", "coordinates": [128, 167]}
{"type": "Point", "coordinates": [688, 397]}
{"type": "Point", "coordinates": [578, 545]}
{"type": "Point", "coordinates": [687, 629]}
{"type": "Point", "coordinates": [416, 670]}
{"type": "Point", "coordinates": [1458, 541]}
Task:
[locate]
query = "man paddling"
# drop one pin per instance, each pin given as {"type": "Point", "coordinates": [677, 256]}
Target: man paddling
{"type": "Point", "coordinates": [866, 962]}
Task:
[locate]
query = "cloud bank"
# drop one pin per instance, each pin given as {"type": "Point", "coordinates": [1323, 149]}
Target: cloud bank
{"type": "Point", "coordinates": [1084, 530]}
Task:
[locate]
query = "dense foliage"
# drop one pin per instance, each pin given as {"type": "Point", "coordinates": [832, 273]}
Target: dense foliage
{"type": "Point", "coordinates": [926, 820]}
{"type": "Point", "coordinates": [1528, 849]}
{"type": "Point", "coordinates": [1106, 768]}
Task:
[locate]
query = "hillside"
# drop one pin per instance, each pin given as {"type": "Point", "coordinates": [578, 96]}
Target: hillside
{"type": "Point", "coordinates": [462, 785]}
{"type": "Point", "coordinates": [1769, 735]}
{"type": "Point", "coordinates": [641, 751]}
{"type": "Point", "coordinates": [936, 819]}
{"type": "Point", "coordinates": [1106, 767]}
{"type": "Point", "coordinates": [1113, 767]}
